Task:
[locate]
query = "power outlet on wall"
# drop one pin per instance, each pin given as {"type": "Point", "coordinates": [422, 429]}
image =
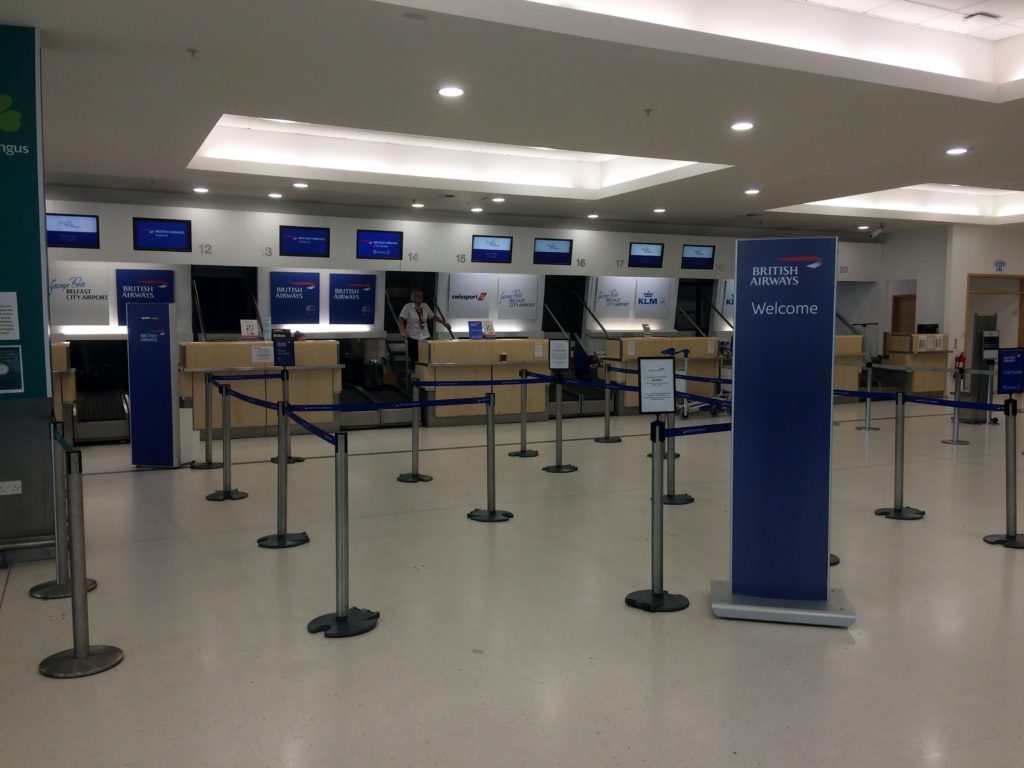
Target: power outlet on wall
{"type": "Point", "coordinates": [10, 487]}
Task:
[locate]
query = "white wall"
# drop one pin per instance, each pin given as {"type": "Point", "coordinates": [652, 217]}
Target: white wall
{"type": "Point", "coordinates": [921, 256]}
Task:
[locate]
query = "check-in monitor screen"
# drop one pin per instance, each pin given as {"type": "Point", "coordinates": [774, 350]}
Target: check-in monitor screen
{"type": "Point", "coordinates": [698, 257]}
{"type": "Point", "coordinates": [650, 255]}
{"type": "Point", "coordinates": [552, 252]}
{"type": "Point", "coordinates": [162, 234]}
{"type": "Point", "coordinates": [72, 231]}
{"type": "Point", "coordinates": [305, 241]}
{"type": "Point", "coordinates": [375, 244]}
{"type": "Point", "coordinates": [490, 249]}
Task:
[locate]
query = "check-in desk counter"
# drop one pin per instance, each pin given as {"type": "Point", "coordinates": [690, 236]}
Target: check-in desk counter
{"type": "Point", "coordinates": [920, 350]}
{"type": "Point", "coordinates": [623, 353]}
{"type": "Point", "coordinates": [317, 386]}
{"type": "Point", "coordinates": [482, 360]}
{"type": "Point", "coordinates": [849, 357]}
{"type": "Point", "coordinates": [63, 380]}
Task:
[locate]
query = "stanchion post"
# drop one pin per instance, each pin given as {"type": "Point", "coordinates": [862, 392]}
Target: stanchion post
{"type": "Point", "coordinates": [897, 511]}
{"type": "Point", "coordinates": [686, 384]}
{"type": "Point", "coordinates": [1011, 539]}
{"type": "Point", "coordinates": [226, 493]}
{"type": "Point", "coordinates": [282, 539]}
{"type": "Point", "coordinates": [607, 437]}
{"type": "Point", "coordinates": [671, 497]}
{"type": "Point", "coordinates": [558, 467]}
{"type": "Point", "coordinates": [286, 396]}
{"type": "Point", "coordinates": [958, 377]}
{"type": "Point", "coordinates": [345, 620]}
{"type": "Point", "coordinates": [523, 452]}
{"type": "Point", "coordinates": [60, 587]}
{"type": "Point", "coordinates": [656, 599]}
{"type": "Point", "coordinates": [413, 475]}
{"type": "Point", "coordinates": [491, 514]}
{"type": "Point", "coordinates": [867, 403]}
{"type": "Point", "coordinates": [209, 463]}
{"type": "Point", "coordinates": [82, 659]}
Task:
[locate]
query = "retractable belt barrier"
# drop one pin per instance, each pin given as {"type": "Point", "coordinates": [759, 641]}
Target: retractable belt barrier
{"type": "Point", "coordinates": [248, 377]}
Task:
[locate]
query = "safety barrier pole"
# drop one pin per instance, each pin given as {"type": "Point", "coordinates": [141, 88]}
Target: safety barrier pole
{"type": "Point", "coordinates": [413, 475]}
{"type": "Point", "coordinates": [867, 404]}
{"type": "Point", "coordinates": [285, 395]}
{"type": "Point", "coordinates": [523, 452]}
{"type": "Point", "coordinates": [61, 586]}
{"type": "Point", "coordinates": [491, 514]}
{"type": "Point", "coordinates": [686, 384]}
{"type": "Point", "coordinates": [558, 467]}
{"type": "Point", "coordinates": [897, 511]}
{"type": "Point", "coordinates": [226, 493]}
{"type": "Point", "coordinates": [656, 599]}
{"type": "Point", "coordinates": [282, 539]}
{"type": "Point", "coordinates": [82, 659]}
{"type": "Point", "coordinates": [958, 377]}
{"type": "Point", "coordinates": [209, 463]}
{"type": "Point", "coordinates": [608, 437]}
{"type": "Point", "coordinates": [1011, 539]}
{"type": "Point", "coordinates": [345, 621]}
{"type": "Point", "coordinates": [671, 497]}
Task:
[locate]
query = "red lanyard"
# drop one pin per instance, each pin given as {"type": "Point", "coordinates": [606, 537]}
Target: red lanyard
{"type": "Point", "coordinates": [419, 312]}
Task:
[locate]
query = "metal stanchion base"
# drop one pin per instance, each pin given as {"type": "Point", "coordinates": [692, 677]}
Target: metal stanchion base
{"type": "Point", "coordinates": [414, 477]}
{"type": "Point", "coordinates": [1010, 542]}
{"type": "Point", "coordinates": [664, 456]}
{"type": "Point", "coordinates": [867, 429]}
{"type": "Point", "coordinates": [607, 439]}
{"type": "Point", "coordinates": [233, 495]}
{"type": "Point", "coordinates": [833, 560]}
{"type": "Point", "coordinates": [283, 540]}
{"type": "Point", "coordinates": [359, 621]}
{"type": "Point", "coordinates": [676, 498]}
{"type": "Point", "coordinates": [64, 664]}
{"type": "Point", "coordinates": [291, 459]}
{"type": "Point", "coordinates": [529, 453]}
{"type": "Point", "coordinates": [490, 516]}
{"type": "Point", "coordinates": [646, 600]}
{"type": "Point", "coordinates": [51, 590]}
{"type": "Point", "coordinates": [205, 465]}
{"type": "Point", "coordinates": [904, 513]}
{"type": "Point", "coordinates": [561, 469]}
{"type": "Point", "coordinates": [956, 442]}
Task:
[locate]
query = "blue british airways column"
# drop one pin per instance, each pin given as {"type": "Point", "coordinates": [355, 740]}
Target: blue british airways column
{"type": "Point", "coordinates": [782, 417]}
{"type": "Point", "coordinates": [151, 373]}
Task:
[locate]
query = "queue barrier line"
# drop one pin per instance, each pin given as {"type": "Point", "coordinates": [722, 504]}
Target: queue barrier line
{"type": "Point", "coordinates": [390, 406]}
{"type": "Point", "coordinates": [704, 429]}
{"type": "Point", "coordinates": [249, 376]}
{"type": "Point", "coordinates": [424, 384]}
{"type": "Point", "coordinates": [253, 400]}
{"type": "Point", "coordinates": [866, 394]}
{"type": "Point", "coordinates": [602, 385]}
{"type": "Point", "coordinates": [961, 404]}
{"type": "Point", "coordinates": [705, 379]}
{"type": "Point", "coordinates": [312, 428]}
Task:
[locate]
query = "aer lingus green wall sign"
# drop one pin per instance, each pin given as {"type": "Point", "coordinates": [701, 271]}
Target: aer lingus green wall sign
{"type": "Point", "coordinates": [24, 341]}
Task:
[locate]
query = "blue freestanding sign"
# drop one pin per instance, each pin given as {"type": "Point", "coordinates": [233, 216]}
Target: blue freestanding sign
{"type": "Point", "coordinates": [295, 298]}
{"type": "Point", "coordinates": [143, 286]}
{"type": "Point", "coordinates": [782, 433]}
{"type": "Point", "coordinates": [352, 299]}
{"type": "Point", "coordinates": [151, 376]}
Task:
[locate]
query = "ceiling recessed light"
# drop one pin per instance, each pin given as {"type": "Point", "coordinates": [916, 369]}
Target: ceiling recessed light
{"type": "Point", "coordinates": [742, 125]}
{"type": "Point", "coordinates": [752, 191]}
{"type": "Point", "coordinates": [417, 204]}
{"type": "Point", "coordinates": [864, 227]}
{"type": "Point", "coordinates": [497, 199]}
{"type": "Point", "coordinates": [274, 195]}
{"type": "Point", "coordinates": [593, 216]}
{"type": "Point", "coordinates": [958, 150]}
{"type": "Point", "coordinates": [200, 190]}
{"type": "Point", "coordinates": [451, 91]}
{"type": "Point", "coordinates": [476, 210]}
{"type": "Point", "coordinates": [300, 185]}
{"type": "Point", "coordinates": [659, 210]}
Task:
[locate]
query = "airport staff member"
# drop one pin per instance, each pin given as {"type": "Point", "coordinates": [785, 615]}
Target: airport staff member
{"type": "Point", "coordinates": [414, 323]}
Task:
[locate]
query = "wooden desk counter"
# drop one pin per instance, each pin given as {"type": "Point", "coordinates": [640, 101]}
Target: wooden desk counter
{"type": "Point", "coordinates": [921, 350]}
{"type": "Point", "coordinates": [848, 349]}
{"type": "Point", "coordinates": [703, 361]}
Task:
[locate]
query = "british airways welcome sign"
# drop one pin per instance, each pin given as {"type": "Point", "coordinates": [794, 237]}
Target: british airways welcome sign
{"type": "Point", "coordinates": [782, 417]}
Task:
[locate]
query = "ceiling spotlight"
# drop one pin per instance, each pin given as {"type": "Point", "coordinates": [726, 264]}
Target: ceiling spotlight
{"type": "Point", "coordinates": [274, 195]}
{"type": "Point", "coordinates": [593, 216]}
{"type": "Point", "coordinates": [200, 190]}
{"type": "Point", "coordinates": [300, 185]}
{"type": "Point", "coordinates": [451, 91]}
{"type": "Point", "coordinates": [742, 125]}
{"type": "Point", "coordinates": [417, 204]}
{"type": "Point", "coordinates": [476, 210]}
{"type": "Point", "coordinates": [864, 227]}
{"type": "Point", "coordinates": [659, 210]}
{"type": "Point", "coordinates": [497, 199]}
{"type": "Point", "coordinates": [958, 151]}
{"type": "Point", "coordinates": [752, 191]}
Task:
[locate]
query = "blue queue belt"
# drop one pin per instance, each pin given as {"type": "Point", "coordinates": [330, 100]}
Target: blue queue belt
{"type": "Point", "coordinates": [704, 429]}
{"type": "Point", "coordinates": [601, 385]}
{"type": "Point", "coordinates": [312, 428]}
{"type": "Point", "coordinates": [705, 379]}
{"type": "Point", "coordinates": [873, 395]}
{"type": "Point", "coordinates": [963, 405]}
{"type": "Point", "coordinates": [247, 377]}
{"type": "Point", "coordinates": [389, 406]}
{"type": "Point", "coordinates": [253, 400]}
{"type": "Point", "coordinates": [423, 384]}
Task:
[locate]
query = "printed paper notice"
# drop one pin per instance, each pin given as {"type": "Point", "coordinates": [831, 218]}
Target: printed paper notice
{"type": "Point", "coordinates": [538, 349]}
{"type": "Point", "coordinates": [657, 384]}
{"type": "Point", "coordinates": [558, 354]}
{"type": "Point", "coordinates": [11, 380]}
{"type": "Point", "coordinates": [630, 349]}
{"type": "Point", "coordinates": [712, 346]}
{"type": "Point", "coordinates": [9, 330]}
{"type": "Point", "coordinates": [263, 353]}
{"type": "Point", "coordinates": [922, 343]}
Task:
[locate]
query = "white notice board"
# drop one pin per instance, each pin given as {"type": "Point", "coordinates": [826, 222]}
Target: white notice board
{"type": "Point", "coordinates": [558, 354]}
{"type": "Point", "coordinates": [657, 384]}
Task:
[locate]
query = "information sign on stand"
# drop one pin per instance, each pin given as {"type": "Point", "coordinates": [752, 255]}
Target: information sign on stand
{"type": "Point", "coordinates": [284, 348]}
{"type": "Point", "coordinates": [152, 382]}
{"type": "Point", "coordinates": [476, 329]}
{"type": "Point", "coordinates": [1011, 371]}
{"type": "Point", "coordinates": [657, 384]}
{"type": "Point", "coordinates": [558, 354]}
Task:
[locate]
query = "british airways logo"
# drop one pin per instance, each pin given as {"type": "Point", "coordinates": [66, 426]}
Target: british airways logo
{"type": "Point", "coordinates": [786, 273]}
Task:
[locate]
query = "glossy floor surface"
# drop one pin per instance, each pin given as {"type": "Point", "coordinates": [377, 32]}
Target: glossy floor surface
{"type": "Point", "coordinates": [510, 644]}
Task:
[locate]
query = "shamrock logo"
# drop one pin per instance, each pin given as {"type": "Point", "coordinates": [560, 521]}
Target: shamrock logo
{"type": "Point", "coordinates": [10, 119]}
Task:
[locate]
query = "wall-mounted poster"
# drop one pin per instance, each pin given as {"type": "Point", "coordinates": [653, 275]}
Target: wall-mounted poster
{"type": "Point", "coordinates": [352, 299]}
{"type": "Point", "coordinates": [517, 297]}
{"type": "Point", "coordinates": [472, 296]}
{"type": "Point", "coordinates": [143, 286]}
{"type": "Point", "coordinates": [652, 297]}
{"type": "Point", "coordinates": [295, 298]}
{"type": "Point", "coordinates": [79, 294]}
{"type": "Point", "coordinates": [614, 297]}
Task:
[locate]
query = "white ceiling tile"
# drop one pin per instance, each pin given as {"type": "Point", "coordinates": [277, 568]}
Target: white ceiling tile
{"type": "Point", "coordinates": [861, 6]}
{"type": "Point", "coordinates": [949, 5]}
{"type": "Point", "coordinates": [955, 22]}
{"type": "Point", "coordinates": [908, 12]}
{"type": "Point", "coordinates": [1006, 10]}
{"type": "Point", "coordinates": [999, 32]}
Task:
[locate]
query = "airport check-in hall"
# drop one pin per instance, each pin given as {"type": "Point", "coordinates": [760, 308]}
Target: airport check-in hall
{"type": "Point", "coordinates": [511, 383]}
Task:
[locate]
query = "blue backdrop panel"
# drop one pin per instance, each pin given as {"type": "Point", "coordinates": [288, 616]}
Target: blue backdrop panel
{"type": "Point", "coordinates": [150, 373]}
{"type": "Point", "coordinates": [782, 417]}
{"type": "Point", "coordinates": [295, 298]}
{"type": "Point", "coordinates": [352, 299]}
{"type": "Point", "coordinates": [143, 286]}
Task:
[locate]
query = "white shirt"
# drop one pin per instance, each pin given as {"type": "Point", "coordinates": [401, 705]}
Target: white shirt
{"type": "Point", "coordinates": [416, 322]}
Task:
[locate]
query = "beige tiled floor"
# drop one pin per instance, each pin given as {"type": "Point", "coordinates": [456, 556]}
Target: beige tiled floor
{"type": "Point", "coordinates": [509, 645]}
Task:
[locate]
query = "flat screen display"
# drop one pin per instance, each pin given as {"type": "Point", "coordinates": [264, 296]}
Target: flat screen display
{"type": "Point", "coordinates": [698, 257]}
{"type": "Point", "coordinates": [489, 249]}
{"type": "Point", "coordinates": [305, 241]}
{"type": "Point", "coordinates": [161, 234]}
{"type": "Point", "coordinates": [72, 231]}
{"type": "Point", "coordinates": [375, 244]}
{"type": "Point", "coordinates": [650, 255]}
{"type": "Point", "coordinates": [557, 252]}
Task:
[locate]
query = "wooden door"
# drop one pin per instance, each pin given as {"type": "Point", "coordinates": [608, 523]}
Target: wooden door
{"type": "Point", "coordinates": [904, 313]}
